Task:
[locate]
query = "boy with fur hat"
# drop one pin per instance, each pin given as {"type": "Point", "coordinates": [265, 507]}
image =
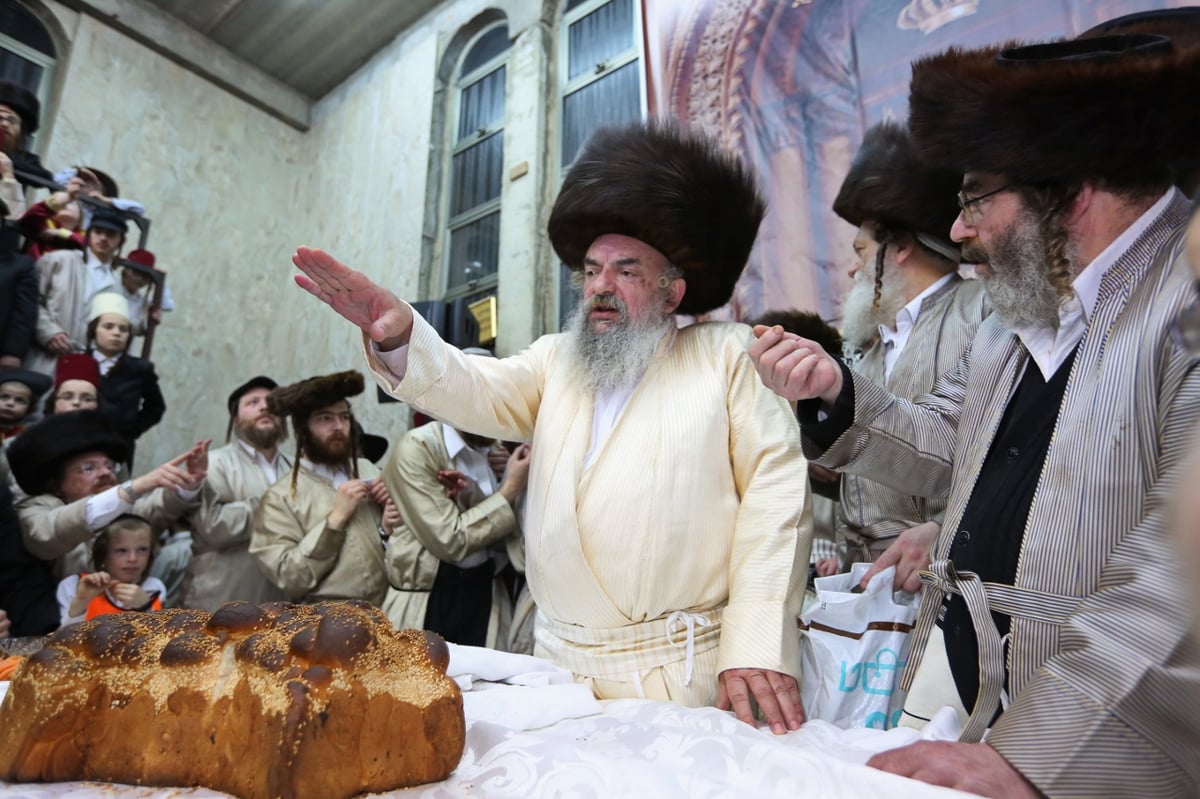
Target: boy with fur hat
{"type": "Point", "coordinates": [1059, 433]}
{"type": "Point", "coordinates": [319, 532]}
{"type": "Point", "coordinates": [653, 220]}
{"type": "Point", "coordinates": [67, 466]}
{"type": "Point", "coordinates": [221, 569]}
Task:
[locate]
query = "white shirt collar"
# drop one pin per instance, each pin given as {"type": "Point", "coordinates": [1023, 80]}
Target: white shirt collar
{"type": "Point", "coordinates": [1049, 348]}
{"type": "Point", "coordinates": [334, 474]}
{"type": "Point", "coordinates": [906, 319]}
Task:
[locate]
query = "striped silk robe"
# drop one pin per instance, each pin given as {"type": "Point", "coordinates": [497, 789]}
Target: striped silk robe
{"type": "Point", "coordinates": [694, 506]}
{"type": "Point", "coordinates": [869, 510]}
{"type": "Point", "coordinates": [1107, 701]}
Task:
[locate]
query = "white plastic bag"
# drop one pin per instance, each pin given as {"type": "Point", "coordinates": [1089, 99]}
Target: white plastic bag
{"type": "Point", "coordinates": [855, 649]}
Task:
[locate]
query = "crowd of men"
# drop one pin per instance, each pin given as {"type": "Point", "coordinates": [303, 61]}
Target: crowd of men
{"type": "Point", "coordinates": [1015, 446]}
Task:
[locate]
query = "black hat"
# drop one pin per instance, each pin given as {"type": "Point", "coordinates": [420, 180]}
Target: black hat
{"type": "Point", "coordinates": [23, 102]}
{"type": "Point", "coordinates": [373, 447]}
{"type": "Point", "coordinates": [1118, 110]}
{"type": "Point", "coordinates": [888, 184]}
{"type": "Point", "coordinates": [37, 382]}
{"type": "Point", "coordinates": [300, 399]}
{"type": "Point", "coordinates": [105, 219]}
{"type": "Point", "coordinates": [674, 189]}
{"type": "Point", "coordinates": [261, 381]}
{"type": "Point", "coordinates": [36, 455]}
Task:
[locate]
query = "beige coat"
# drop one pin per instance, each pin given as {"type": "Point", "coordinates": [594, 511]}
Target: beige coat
{"type": "Point", "coordinates": [870, 513]}
{"type": "Point", "coordinates": [693, 507]}
{"type": "Point", "coordinates": [55, 530]}
{"type": "Point", "coordinates": [1102, 671]}
{"type": "Point", "coordinates": [63, 299]}
{"type": "Point", "coordinates": [221, 569]}
{"type": "Point", "coordinates": [436, 529]}
{"type": "Point", "coordinates": [305, 559]}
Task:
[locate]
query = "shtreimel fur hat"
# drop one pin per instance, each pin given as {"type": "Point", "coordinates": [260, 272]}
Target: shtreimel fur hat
{"type": "Point", "coordinates": [300, 399]}
{"type": "Point", "coordinates": [671, 188]}
{"type": "Point", "coordinates": [1116, 110]}
{"type": "Point", "coordinates": [36, 455]}
{"type": "Point", "coordinates": [888, 184]}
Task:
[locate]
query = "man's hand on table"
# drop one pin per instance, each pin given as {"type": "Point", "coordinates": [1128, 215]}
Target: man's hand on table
{"type": "Point", "coordinates": [777, 694]}
{"type": "Point", "coordinates": [975, 768]}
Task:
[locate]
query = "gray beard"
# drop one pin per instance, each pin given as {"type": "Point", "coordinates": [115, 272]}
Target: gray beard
{"type": "Point", "coordinates": [617, 356]}
{"type": "Point", "coordinates": [861, 317]}
{"type": "Point", "coordinates": [1019, 289]}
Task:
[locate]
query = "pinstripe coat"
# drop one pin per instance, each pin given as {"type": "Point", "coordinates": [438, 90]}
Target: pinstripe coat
{"type": "Point", "coordinates": [945, 326]}
{"type": "Point", "coordinates": [1107, 703]}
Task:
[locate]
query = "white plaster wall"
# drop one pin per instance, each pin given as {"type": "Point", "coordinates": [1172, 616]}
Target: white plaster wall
{"type": "Point", "coordinates": [232, 191]}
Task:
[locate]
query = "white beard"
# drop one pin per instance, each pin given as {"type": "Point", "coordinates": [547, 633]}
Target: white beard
{"type": "Point", "coordinates": [861, 317]}
{"type": "Point", "coordinates": [619, 355]}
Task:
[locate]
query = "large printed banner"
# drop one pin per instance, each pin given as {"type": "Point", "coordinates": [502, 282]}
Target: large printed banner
{"type": "Point", "coordinates": [792, 84]}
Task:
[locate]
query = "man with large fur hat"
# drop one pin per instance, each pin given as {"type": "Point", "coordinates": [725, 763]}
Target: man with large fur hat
{"type": "Point", "coordinates": [666, 537]}
{"type": "Point", "coordinates": [908, 298]}
{"type": "Point", "coordinates": [1058, 435]}
{"type": "Point", "coordinates": [319, 533]}
{"type": "Point", "coordinates": [239, 473]}
{"type": "Point", "coordinates": [20, 113]}
{"type": "Point", "coordinates": [67, 466]}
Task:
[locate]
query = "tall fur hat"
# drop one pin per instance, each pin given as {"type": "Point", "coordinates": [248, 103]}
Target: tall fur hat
{"type": "Point", "coordinates": [37, 454]}
{"type": "Point", "coordinates": [887, 183]}
{"type": "Point", "coordinates": [671, 188]}
{"type": "Point", "coordinates": [300, 399]}
{"type": "Point", "coordinates": [1182, 26]}
{"type": "Point", "coordinates": [23, 102]}
{"type": "Point", "coordinates": [1116, 110]}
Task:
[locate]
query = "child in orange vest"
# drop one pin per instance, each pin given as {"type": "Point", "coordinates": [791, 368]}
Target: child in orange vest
{"type": "Point", "coordinates": [123, 551]}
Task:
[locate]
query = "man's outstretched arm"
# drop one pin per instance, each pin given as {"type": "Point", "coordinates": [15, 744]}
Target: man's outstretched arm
{"type": "Point", "coordinates": [373, 309]}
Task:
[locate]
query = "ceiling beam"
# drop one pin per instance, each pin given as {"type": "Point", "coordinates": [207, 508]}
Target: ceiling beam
{"type": "Point", "coordinates": [174, 40]}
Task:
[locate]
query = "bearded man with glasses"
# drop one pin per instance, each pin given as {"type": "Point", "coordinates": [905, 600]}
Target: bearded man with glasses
{"type": "Point", "coordinates": [67, 467]}
{"type": "Point", "coordinates": [1054, 606]}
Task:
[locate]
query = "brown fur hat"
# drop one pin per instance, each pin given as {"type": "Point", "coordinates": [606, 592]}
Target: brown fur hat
{"type": "Point", "coordinates": [1114, 110]}
{"type": "Point", "coordinates": [300, 399]}
{"type": "Point", "coordinates": [1182, 26]}
{"type": "Point", "coordinates": [888, 184]}
{"type": "Point", "coordinates": [671, 188]}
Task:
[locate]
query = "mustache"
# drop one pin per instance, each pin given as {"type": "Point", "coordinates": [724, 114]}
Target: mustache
{"type": "Point", "coordinates": [604, 302]}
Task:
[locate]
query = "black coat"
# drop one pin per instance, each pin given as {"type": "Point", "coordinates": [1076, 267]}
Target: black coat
{"type": "Point", "coordinates": [132, 397]}
{"type": "Point", "coordinates": [27, 585]}
{"type": "Point", "coordinates": [18, 303]}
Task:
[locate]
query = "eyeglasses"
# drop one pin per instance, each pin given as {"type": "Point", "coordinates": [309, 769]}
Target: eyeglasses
{"type": "Point", "coordinates": [966, 202]}
{"type": "Point", "coordinates": [1186, 330]}
{"type": "Point", "coordinates": [88, 468]}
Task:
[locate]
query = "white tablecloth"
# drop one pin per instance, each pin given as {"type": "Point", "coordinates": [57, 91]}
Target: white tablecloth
{"type": "Point", "coordinates": [546, 737]}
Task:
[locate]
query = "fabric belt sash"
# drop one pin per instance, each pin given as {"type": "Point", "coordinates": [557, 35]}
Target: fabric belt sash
{"type": "Point", "coordinates": [940, 579]}
{"type": "Point", "coordinates": [630, 651]}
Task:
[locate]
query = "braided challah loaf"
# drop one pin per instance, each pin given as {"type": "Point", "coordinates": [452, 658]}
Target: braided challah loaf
{"type": "Point", "coordinates": [278, 700]}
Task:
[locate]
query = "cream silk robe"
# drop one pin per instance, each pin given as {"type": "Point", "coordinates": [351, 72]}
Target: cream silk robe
{"type": "Point", "coordinates": [693, 512]}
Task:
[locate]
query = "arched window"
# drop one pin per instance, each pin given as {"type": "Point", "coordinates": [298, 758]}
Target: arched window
{"type": "Point", "coordinates": [27, 54]}
{"type": "Point", "coordinates": [601, 85]}
{"type": "Point", "coordinates": [476, 166]}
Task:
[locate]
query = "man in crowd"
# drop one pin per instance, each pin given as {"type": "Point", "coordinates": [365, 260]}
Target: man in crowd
{"type": "Point", "coordinates": [446, 561]}
{"type": "Point", "coordinates": [239, 473]}
{"type": "Point", "coordinates": [67, 281]}
{"type": "Point", "coordinates": [319, 533]}
{"type": "Point", "coordinates": [67, 466]}
{"type": "Point", "coordinates": [660, 555]}
{"type": "Point", "coordinates": [18, 297]}
{"type": "Point", "coordinates": [1060, 433]}
{"type": "Point", "coordinates": [908, 308]}
{"type": "Point", "coordinates": [20, 113]}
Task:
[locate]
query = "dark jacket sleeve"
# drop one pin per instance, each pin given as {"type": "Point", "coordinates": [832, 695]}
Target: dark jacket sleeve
{"type": "Point", "coordinates": [153, 404]}
{"type": "Point", "coordinates": [16, 337]}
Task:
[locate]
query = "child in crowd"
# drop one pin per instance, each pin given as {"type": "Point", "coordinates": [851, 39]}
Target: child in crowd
{"type": "Point", "coordinates": [20, 389]}
{"type": "Point", "coordinates": [76, 384]}
{"type": "Point", "coordinates": [128, 384]}
{"type": "Point", "coordinates": [123, 550]}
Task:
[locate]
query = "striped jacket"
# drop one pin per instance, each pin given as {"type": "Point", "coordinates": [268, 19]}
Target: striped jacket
{"type": "Point", "coordinates": [1107, 702]}
{"type": "Point", "coordinates": [945, 326]}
